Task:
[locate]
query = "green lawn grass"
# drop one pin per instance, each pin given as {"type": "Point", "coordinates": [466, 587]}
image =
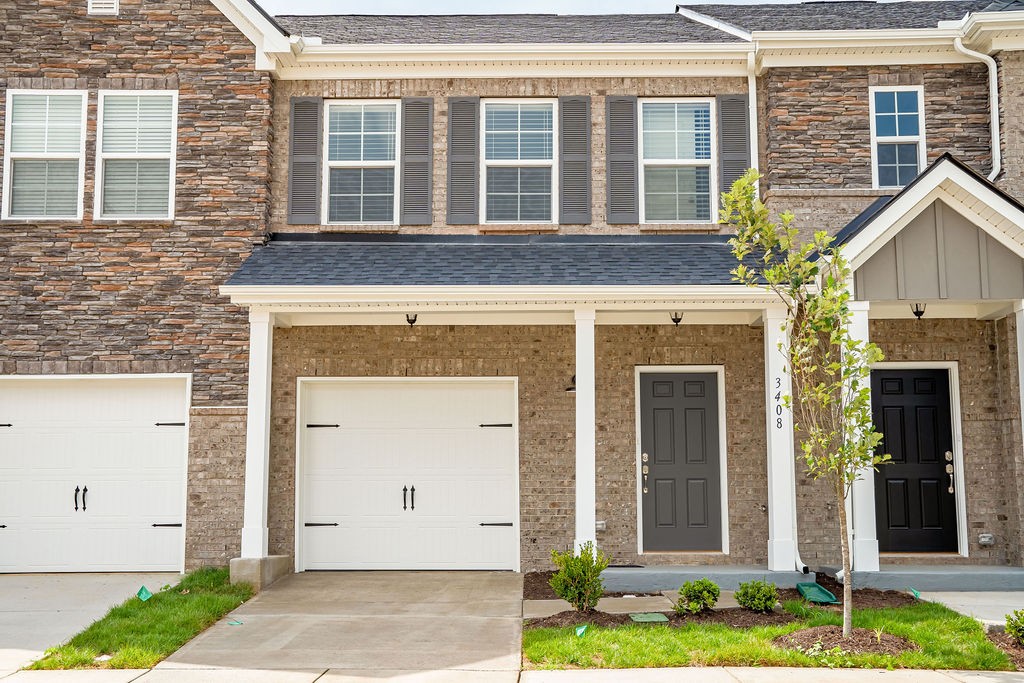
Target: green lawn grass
{"type": "Point", "coordinates": [947, 640]}
{"type": "Point", "coordinates": [139, 634]}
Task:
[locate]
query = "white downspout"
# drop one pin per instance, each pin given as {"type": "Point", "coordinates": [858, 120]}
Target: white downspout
{"type": "Point", "coordinates": [993, 102]}
{"type": "Point", "coordinates": [755, 154]}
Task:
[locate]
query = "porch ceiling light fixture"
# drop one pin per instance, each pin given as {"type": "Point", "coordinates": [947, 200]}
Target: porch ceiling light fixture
{"type": "Point", "coordinates": [676, 317]}
{"type": "Point", "coordinates": [410, 318]}
{"type": "Point", "coordinates": [571, 389]}
{"type": "Point", "coordinates": [918, 310]}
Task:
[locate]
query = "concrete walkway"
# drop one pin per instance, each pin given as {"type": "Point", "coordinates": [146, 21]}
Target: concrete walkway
{"type": "Point", "coordinates": [459, 625]}
{"type": "Point", "coordinates": [38, 611]}
{"type": "Point", "coordinates": [988, 607]}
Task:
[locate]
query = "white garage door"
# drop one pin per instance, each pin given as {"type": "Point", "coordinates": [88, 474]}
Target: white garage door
{"type": "Point", "coordinates": [408, 475]}
{"type": "Point", "coordinates": [92, 474]}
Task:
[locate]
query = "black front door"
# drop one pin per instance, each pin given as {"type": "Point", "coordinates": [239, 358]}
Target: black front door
{"type": "Point", "coordinates": [914, 493]}
{"type": "Point", "coordinates": [680, 475]}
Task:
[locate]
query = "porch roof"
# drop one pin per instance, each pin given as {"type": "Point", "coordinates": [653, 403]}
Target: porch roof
{"type": "Point", "coordinates": [356, 260]}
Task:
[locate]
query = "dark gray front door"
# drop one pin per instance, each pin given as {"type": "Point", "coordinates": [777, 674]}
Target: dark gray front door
{"type": "Point", "coordinates": [681, 485]}
{"type": "Point", "coordinates": [915, 497]}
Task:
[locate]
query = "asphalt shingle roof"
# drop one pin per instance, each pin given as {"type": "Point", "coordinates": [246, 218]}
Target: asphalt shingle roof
{"type": "Point", "coordinates": [839, 16]}
{"type": "Point", "coordinates": [360, 260]}
{"type": "Point", "coordinates": [504, 28]}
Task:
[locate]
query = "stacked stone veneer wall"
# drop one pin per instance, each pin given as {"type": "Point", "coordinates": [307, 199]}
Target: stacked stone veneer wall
{"type": "Point", "coordinates": [125, 296]}
{"type": "Point", "coordinates": [542, 357]}
{"type": "Point", "coordinates": [989, 416]}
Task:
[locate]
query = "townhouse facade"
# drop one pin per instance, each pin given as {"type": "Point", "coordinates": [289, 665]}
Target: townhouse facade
{"type": "Point", "coordinates": [355, 292]}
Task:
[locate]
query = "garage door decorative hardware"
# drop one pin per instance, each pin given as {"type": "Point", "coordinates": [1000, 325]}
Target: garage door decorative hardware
{"type": "Point", "coordinates": [3, 526]}
{"type": "Point", "coordinates": [498, 424]}
{"type": "Point", "coordinates": [405, 492]}
{"type": "Point", "coordinates": [317, 426]}
{"type": "Point", "coordinates": [412, 497]}
{"type": "Point", "coordinates": [321, 524]}
{"type": "Point", "coordinates": [83, 491]}
{"type": "Point", "coordinates": [411, 492]}
{"type": "Point", "coordinates": [495, 523]}
{"type": "Point", "coordinates": [170, 424]}
{"type": "Point", "coordinates": [6, 424]}
{"type": "Point", "coordinates": [176, 524]}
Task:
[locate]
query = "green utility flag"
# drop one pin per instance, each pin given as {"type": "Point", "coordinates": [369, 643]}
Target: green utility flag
{"type": "Point", "coordinates": [580, 630]}
{"type": "Point", "coordinates": [144, 594]}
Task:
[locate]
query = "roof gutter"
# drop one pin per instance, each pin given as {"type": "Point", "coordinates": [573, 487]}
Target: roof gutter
{"type": "Point", "coordinates": [993, 101]}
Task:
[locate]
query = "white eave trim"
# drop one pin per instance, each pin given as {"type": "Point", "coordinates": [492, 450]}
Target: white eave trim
{"type": "Point", "coordinates": [261, 32]}
{"type": "Point", "coordinates": [276, 296]}
{"type": "Point", "coordinates": [906, 206]}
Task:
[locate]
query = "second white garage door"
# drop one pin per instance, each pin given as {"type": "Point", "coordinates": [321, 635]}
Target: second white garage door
{"type": "Point", "coordinates": [408, 474]}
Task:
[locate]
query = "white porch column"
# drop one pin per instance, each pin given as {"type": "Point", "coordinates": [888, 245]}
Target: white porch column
{"type": "Point", "coordinates": [780, 440]}
{"type": "Point", "coordinates": [862, 494]}
{"type": "Point", "coordinates": [257, 435]}
{"type": "Point", "coordinates": [586, 430]}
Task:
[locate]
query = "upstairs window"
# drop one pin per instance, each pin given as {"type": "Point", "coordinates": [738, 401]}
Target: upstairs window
{"type": "Point", "coordinates": [361, 159]}
{"type": "Point", "coordinates": [897, 134]}
{"type": "Point", "coordinates": [44, 162]}
{"type": "Point", "coordinates": [676, 152]}
{"type": "Point", "coordinates": [135, 154]}
{"type": "Point", "coordinates": [519, 142]}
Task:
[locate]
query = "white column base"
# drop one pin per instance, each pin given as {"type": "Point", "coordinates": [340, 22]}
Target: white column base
{"type": "Point", "coordinates": [865, 555]}
{"type": "Point", "coordinates": [254, 542]}
{"type": "Point", "coordinates": [780, 555]}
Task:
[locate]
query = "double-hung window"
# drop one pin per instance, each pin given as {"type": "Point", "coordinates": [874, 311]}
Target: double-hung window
{"type": "Point", "coordinates": [519, 142]}
{"type": "Point", "coordinates": [361, 159]}
{"type": "Point", "coordinates": [135, 154]}
{"type": "Point", "coordinates": [677, 182]}
{"type": "Point", "coordinates": [897, 134]}
{"type": "Point", "coordinates": [44, 162]}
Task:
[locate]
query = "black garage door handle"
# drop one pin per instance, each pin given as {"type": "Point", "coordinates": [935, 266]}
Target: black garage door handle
{"type": "Point", "coordinates": [177, 524]}
{"type": "Point", "coordinates": [495, 523]}
{"type": "Point", "coordinates": [321, 524]}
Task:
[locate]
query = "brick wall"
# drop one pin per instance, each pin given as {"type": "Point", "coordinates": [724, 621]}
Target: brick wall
{"type": "Point", "coordinates": [216, 487]}
{"type": "Point", "coordinates": [543, 359]}
{"type": "Point", "coordinates": [1011, 120]}
{"type": "Point", "coordinates": [141, 292]}
{"type": "Point", "coordinates": [985, 351]}
{"type": "Point", "coordinates": [441, 89]}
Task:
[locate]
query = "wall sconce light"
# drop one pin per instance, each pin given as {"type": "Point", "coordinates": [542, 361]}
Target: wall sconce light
{"type": "Point", "coordinates": [676, 317]}
{"type": "Point", "coordinates": [571, 389]}
{"type": "Point", "coordinates": [410, 318]}
{"type": "Point", "coordinates": [918, 310]}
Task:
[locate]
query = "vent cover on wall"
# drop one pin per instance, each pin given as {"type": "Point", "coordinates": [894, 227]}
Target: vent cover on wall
{"type": "Point", "coordinates": [108, 7]}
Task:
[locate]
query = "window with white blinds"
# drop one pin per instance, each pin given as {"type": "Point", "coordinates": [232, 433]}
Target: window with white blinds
{"type": "Point", "coordinates": [44, 159]}
{"type": "Point", "coordinates": [135, 154]}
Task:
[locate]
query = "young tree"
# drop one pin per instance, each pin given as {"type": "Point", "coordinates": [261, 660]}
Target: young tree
{"type": "Point", "coordinates": [830, 370]}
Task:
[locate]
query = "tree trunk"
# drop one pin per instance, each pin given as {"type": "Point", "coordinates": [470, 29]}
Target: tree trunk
{"type": "Point", "coordinates": [847, 568]}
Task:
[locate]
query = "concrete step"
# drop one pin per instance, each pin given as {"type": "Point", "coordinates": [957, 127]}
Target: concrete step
{"type": "Point", "coordinates": [942, 578]}
{"type": "Point", "coordinates": [671, 577]}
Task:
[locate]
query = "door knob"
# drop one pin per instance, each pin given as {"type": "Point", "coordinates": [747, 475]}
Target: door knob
{"type": "Point", "coordinates": [951, 489]}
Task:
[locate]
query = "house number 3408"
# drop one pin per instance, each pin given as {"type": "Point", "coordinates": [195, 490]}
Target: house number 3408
{"type": "Point", "coordinates": [778, 403]}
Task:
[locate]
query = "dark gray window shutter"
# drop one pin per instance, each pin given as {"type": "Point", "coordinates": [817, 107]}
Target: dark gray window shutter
{"type": "Point", "coordinates": [733, 139]}
{"type": "Point", "coordinates": [623, 160]}
{"type": "Point", "coordinates": [417, 161]}
{"type": "Point", "coordinates": [574, 160]}
{"type": "Point", "coordinates": [463, 160]}
{"type": "Point", "coordinates": [305, 126]}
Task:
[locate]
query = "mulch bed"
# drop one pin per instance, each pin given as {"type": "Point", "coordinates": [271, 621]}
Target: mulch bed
{"type": "Point", "coordinates": [863, 598]}
{"type": "Point", "coordinates": [1012, 648]}
{"type": "Point", "coordinates": [735, 617]}
{"type": "Point", "coordinates": [861, 641]}
{"type": "Point", "coordinates": [536, 586]}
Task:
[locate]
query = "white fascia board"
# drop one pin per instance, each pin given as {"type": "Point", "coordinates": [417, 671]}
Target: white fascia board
{"type": "Point", "coordinates": [497, 297]}
{"type": "Point", "coordinates": [906, 206]}
{"type": "Point", "coordinates": [262, 33]}
{"type": "Point", "coordinates": [979, 27]}
{"type": "Point", "coordinates": [525, 60]}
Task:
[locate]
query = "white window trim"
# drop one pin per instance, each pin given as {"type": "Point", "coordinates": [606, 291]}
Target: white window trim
{"type": "Point", "coordinates": [711, 163]}
{"type": "Point", "coordinates": [540, 163]}
{"type": "Point", "coordinates": [7, 190]}
{"type": "Point", "coordinates": [922, 148]}
{"type": "Point", "coordinates": [325, 180]}
{"type": "Point", "coordinates": [97, 209]}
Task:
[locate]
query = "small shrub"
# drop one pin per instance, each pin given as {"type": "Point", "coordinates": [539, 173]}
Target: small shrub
{"type": "Point", "coordinates": [1015, 626]}
{"type": "Point", "coordinates": [578, 579]}
{"type": "Point", "coordinates": [697, 596]}
{"type": "Point", "coordinates": [834, 658]}
{"type": "Point", "coordinates": [758, 596]}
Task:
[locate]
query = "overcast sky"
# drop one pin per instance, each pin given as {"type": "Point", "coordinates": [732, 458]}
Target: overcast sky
{"type": "Point", "coordinates": [465, 6]}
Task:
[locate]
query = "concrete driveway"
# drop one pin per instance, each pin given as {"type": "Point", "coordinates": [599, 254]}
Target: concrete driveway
{"type": "Point", "coordinates": [449, 626]}
{"type": "Point", "coordinates": [38, 611]}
